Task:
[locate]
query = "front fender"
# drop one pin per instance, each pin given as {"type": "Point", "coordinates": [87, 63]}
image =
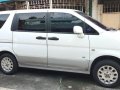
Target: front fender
{"type": "Point", "coordinates": [101, 53]}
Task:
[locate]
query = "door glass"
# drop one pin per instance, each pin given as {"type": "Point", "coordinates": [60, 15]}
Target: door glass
{"type": "Point", "coordinates": [64, 23]}
{"type": "Point", "coordinates": [29, 22]}
{"type": "Point", "coordinates": [90, 31]}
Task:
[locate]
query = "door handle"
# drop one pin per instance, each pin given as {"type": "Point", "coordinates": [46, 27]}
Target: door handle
{"type": "Point", "coordinates": [39, 37]}
{"type": "Point", "coordinates": [53, 38]}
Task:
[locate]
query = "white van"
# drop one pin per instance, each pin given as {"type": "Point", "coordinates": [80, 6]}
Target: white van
{"type": "Point", "coordinates": [59, 39]}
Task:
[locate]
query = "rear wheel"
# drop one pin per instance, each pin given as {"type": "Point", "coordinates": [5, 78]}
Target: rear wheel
{"type": "Point", "coordinates": [8, 64]}
{"type": "Point", "coordinates": [107, 73]}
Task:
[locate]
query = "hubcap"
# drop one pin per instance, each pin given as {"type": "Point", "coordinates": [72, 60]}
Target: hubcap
{"type": "Point", "coordinates": [107, 74]}
{"type": "Point", "coordinates": [7, 64]}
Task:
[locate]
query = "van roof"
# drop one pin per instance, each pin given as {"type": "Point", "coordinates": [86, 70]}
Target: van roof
{"type": "Point", "coordinates": [30, 10]}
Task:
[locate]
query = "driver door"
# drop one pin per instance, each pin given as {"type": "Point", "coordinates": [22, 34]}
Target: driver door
{"type": "Point", "coordinates": [65, 49]}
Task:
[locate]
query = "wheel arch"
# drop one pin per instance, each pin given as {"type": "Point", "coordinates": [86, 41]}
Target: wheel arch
{"type": "Point", "coordinates": [98, 59]}
{"type": "Point", "coordinates": [3, 52]}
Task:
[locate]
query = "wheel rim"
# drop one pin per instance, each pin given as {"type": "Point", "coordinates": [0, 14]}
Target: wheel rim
{"type": "Point", "coordinates": [107, 74]}
{"type": "Point", "coordinates": [7, 64]}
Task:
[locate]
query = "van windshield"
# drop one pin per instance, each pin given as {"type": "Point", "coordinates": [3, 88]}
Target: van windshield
{"type": "Point", "coordinates": [94, 21]}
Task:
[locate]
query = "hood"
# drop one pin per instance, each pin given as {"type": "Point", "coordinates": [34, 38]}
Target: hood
{"type": "Point", "coordinates": [112, 33]}
{"type": "Point", "coordinates": [109, 40]}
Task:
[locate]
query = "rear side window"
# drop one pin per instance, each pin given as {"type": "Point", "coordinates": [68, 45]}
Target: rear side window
{"type": "Point", "coordinates": [3, 19]}
{"type": "Point", "coordinates": [29, 22]}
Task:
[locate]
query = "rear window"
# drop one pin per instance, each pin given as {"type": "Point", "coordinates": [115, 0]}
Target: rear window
{"type": "Point", "coordinates": [3, 19]}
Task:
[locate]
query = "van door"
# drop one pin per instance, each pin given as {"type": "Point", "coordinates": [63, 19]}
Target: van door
{"type": "Point", "coordinates": [29, 38]}
{"type": "Point", "coordinates": [65, 49]}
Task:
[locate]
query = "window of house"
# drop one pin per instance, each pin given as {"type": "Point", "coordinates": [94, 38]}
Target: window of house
{"type": "Point", "coordinates": [29, 22]}
{"type": "Point", "coordinates": [3, 19]}
{"type": "Point", "coordinates": [110, 6]}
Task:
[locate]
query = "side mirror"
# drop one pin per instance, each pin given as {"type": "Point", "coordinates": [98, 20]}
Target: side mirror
{"type": "Point", "coordinates": [78, 30]}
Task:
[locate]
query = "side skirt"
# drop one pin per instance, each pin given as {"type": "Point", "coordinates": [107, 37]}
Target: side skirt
{"type": "Point", "coordinates": [55, 69]}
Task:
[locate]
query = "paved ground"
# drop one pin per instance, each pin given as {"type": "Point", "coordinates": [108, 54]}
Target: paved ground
{"type": "Point", "coordinates": [32, 79]}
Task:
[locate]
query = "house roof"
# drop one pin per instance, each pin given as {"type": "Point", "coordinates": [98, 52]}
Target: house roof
{"type": "Point", "coordinates": [4, 0]}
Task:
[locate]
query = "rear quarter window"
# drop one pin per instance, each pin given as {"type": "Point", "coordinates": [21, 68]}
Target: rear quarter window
{"type": "Point", "coordinates": [3, 18]}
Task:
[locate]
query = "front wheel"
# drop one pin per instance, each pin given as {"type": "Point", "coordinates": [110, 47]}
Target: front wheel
{"type": "Point", "coordinates": [107, 73]}
{"type": "Point", "coordinates": [8, 64]}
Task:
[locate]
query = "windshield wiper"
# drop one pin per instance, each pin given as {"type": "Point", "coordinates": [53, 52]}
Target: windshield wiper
{"type": "Point", "coordinates": [111, 29]}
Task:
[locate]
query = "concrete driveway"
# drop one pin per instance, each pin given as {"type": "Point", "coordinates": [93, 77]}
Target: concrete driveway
{"type": "Point", "coordinates": [32, 79]}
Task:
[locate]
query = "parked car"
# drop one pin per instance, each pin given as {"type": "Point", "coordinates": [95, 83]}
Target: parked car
{"type": "Point", "coordinates": [59, 39]}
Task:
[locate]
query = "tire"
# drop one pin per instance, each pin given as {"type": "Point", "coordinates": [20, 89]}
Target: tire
{"type": "Point", "coordinates": [107, 73]}
{"type": "Point", "coordinates": [8, 64]}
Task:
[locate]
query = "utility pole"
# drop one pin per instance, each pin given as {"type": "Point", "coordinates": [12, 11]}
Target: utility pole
{"type": "Point", "coordinates": [27, 4]}
{"type": "Point", "coordinates": [51, 4]}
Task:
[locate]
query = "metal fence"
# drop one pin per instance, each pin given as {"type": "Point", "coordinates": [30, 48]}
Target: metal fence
{"type": "Point", "coordinates": [67, 4]}
{"type": "Point", "coordinates": [112, 6]}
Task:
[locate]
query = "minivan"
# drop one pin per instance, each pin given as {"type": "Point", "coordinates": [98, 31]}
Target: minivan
{"type": "Point", "coordinates": [59, 39]}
